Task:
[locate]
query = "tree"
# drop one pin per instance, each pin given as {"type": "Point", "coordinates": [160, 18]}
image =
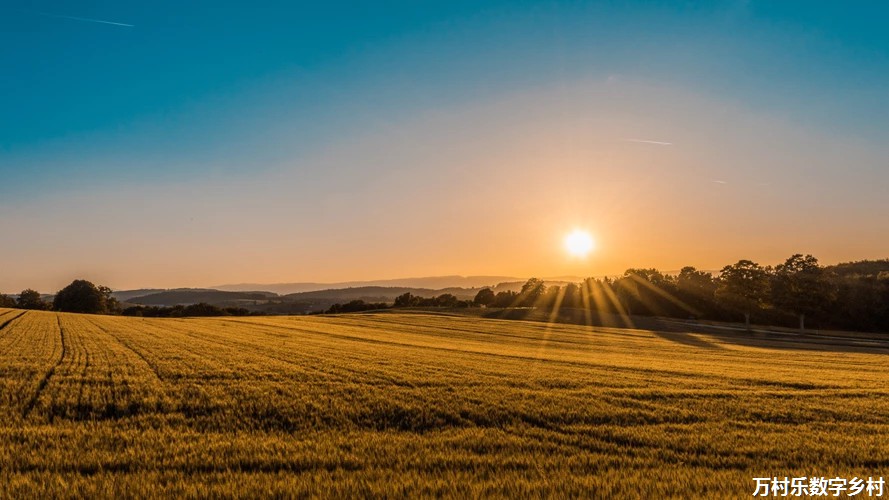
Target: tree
{"type": "Point", "coordinates": [698, 288]}
{"type": "Point", "coordinates": [112, 306]}
{"type": "Point", "coordinates": [802, 287]}
{"type": "Point", "coordinates": [484, 297]}
{"type": "Point", "coordinates": [81, 296]}
{"type": "Point", "coordinates": [134, 311]}
{"type": "Point", "coordinates": [650, 275]}
{"type": "Point", "coordinates": [404, 300]}
{"type": "Point", "coordinates": [356, 305]}
{"type": "Point", "coordinates": [532, 290]}
{"type": "Point", "coordinates": [699, 283]}
{"type": "Point", "coordinates": [571, 297]}
{"type": "Point", "coordinates": [862, 295]}
{"type": "Point", "coordinates": [551, 298]}
{"type": "Point", "coordinates": [743, 286]}
{"type": "Point", "coordinates": [202, 309]}
{"type": "Point", "coordinates": [30, 299]}
{"type": "Point", "coordinates": [649, 292]}
{"type": "Point", "coordinates": [599, 295]}
{"type": "Point", "coordinates": [506, 298]}
{"type": "Point", "coordinates": [6, 301]}
{"type": "Point", "coordinates": [446, 300]}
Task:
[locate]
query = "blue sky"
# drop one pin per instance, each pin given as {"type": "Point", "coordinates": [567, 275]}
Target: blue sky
{"type": "Point", "coordinates": [201, 92]}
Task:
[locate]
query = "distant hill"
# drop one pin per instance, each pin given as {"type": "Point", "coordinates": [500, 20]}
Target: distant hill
{"type": "Point", "coordinates": [430, 283]}
{"type": "Point", "coordinates": [294, 303]}
{"type": "Point", "coordinates": [272, 303]}
{"type": "Point", "coordinates": [315, 296]}
{"type": "Point", "coordinates": [861, 268]}
{"type": "Point", "coordinates": [185, 297]}
{"type": "Point", "coordinates": [126, 295]}
{"type": "Point", "coordinates": [379, 293]}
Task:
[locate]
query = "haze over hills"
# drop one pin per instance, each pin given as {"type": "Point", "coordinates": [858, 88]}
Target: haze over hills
{"type": "Point", "coordinates": [295, 303]}
{"type": "Point", "coordinates": [317, 300]}
{"type": "Point", "coordinates": [126, 295]}
{"type": "Point", "coordinates": [386, 289]}
{"type": "Point", "coordinates": [383, 293]}
{"type": "Point", "coordinates": [430, 282]}
{"type": "Point", "coordinates": [186, 296]}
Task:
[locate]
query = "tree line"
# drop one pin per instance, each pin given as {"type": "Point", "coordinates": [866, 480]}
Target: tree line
{"type": "Point", "coordinates": [82, 296]}
{"type": "Point", "coordinates": [797, 292]}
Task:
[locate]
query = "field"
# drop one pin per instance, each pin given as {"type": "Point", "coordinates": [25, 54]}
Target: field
{"type": "Point", "coordinates": [422, 404]}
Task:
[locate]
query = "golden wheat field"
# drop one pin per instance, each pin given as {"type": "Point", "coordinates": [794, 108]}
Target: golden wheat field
{"type": "Point", "coordinates": [406, 405]}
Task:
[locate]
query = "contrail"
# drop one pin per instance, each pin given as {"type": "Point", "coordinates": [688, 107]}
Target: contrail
{"type": "Point", "coordinates": [659, 143]}
{"type": "Point", "coordinates": [74, 18]}
{"type": "Point", "coordinates": [720, 182]}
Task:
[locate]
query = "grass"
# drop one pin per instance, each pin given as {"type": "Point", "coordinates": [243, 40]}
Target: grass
{"type": "Point", "coordinates": [399, 405]}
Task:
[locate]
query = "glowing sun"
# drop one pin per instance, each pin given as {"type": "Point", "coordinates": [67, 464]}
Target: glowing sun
{"type": "Point", "coordinates": [579, 243]}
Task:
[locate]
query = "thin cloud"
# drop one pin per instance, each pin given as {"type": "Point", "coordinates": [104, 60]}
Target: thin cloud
{"type": "Point", "coordinates": [74, 18]}
{"type": "Point", "coordinates": [643, 141]}
{"type": "Point", "coordinates": [719, 182]}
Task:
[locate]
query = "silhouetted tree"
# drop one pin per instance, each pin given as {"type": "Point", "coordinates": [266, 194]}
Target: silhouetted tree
{"type": "Point", "coordinates": [551, 298]}
{"type": "Point", "coordinates": [697, 288]}
{"type": "Point", "coordinates": [743, 286]}
{"type": "Point", "coordinates": [532, 290]}
{"type": "Point", "coordinates": [446, 300]}
{"type": "Point", "coordinates": [202, 309]}
{"type": "Point", "coordinates": [30, 299]}
{"type": "Point", "coordinates": [6, 301]}
{"type": "Point", "coordinates": [357, 305]}
{"type": "Point", "coordinates": [599, 295]}
{"type": "Point", "coordinates": [696, 282]}
{"type": "Point", "coordinates": [571, 297]}
{"type": "Point", "coordinates": [506, 298]}
{"type": "Point", "coordinates": [649, 292]}
{"type": "Point", "coordinates": [112, 306]}
{"type": "Point", "coordinates": [651, 275]}
{"type": "Point", "coordinates": [404, 300]}
{"type": "Point", "coordinates": [862, 300]}
{"type": "Point", "coordinates": [802, 287]}
{"type": "Point", "coordinates": [236, 311]}
{"type": "Point", "coordinates": [484, 297]}
{"type": "Point", "coordinates": [81, 296]}
{"type": "Point", "coordinates": [138, 311]}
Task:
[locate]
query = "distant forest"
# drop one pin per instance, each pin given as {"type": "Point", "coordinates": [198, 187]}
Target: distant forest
{"type": "Point", "coordinates": [798, 292]}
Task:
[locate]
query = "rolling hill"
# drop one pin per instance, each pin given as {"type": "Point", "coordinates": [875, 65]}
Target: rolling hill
{"type": "Point", "coordinates": [431, 282]}
{"type": "Point", "coordinates": [186, 297]}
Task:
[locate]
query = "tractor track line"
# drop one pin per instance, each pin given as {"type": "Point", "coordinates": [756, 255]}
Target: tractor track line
{"type": "Point", "coordinates": [46, 376]}
{"type": "Point", "coordinates": [10, 320]}
{"type": "Point", "coordinates": [126, 345]}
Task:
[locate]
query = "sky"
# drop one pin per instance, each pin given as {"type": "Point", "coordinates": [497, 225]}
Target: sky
{"type": "Point", "coordinates": [172, 144]}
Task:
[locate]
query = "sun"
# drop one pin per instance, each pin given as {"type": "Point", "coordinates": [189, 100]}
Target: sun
{"type": "Point", "coordinates": [579, 243]}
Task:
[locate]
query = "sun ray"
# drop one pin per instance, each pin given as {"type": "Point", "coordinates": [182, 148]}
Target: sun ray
{"type": "Point", "coordinates": [666, 295]}
{"type": "Point", "coordinates": [621, 310]}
